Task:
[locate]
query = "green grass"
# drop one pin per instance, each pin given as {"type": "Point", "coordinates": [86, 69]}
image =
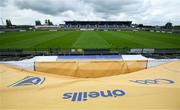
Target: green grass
{"type": "Point", "coordinates": [87, 39]}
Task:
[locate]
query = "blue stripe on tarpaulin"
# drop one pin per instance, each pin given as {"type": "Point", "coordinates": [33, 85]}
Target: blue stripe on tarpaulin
{"type": "Point", "coordinates": [91, 57]}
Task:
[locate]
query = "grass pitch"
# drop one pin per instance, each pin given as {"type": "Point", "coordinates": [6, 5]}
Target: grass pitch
{"type": "Point", "coordinates": [87, 39]}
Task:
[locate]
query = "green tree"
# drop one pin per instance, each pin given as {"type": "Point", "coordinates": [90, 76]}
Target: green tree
{"type": "Point", "coordinates": [38, 23]}
{"type": "Point", "coordinates": [8, 23]}
{"type": "Point", "coordinates": [169, 25]}
{"type": "Point", "coordinates": [49, 22]}
{"type": "Point", "coordinates": [46, 22]}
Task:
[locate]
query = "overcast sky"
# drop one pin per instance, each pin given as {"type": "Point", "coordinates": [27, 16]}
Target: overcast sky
{"type": "Point", "coordinates": [153, 12]}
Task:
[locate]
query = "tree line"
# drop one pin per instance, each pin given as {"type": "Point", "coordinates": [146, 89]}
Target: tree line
{"type": "Point", "coordinates": [37, 23]}
{"type": "Point", "coordinates": [47, 22]}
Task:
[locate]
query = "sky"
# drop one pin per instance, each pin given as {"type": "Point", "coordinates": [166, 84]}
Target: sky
{"type": "Point", "coordinates": [148, 12]}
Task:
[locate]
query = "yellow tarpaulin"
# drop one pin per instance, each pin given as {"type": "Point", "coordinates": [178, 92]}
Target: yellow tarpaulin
{"type": "Point", "coordinates": [90, 69]}
{"type": "Point", "coordinates": [157, 88]}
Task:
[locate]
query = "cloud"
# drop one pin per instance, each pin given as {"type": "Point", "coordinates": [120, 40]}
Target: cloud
{"type": "Point", "coordinates": [154, 12]}
{"type": "Point", "coordinates": [101, 9]}
{"type": "Point", "coordinates": [52, 7]}
{"type": "Point", "coordinates": [3, 3]}
{"type": "Point", "coordinates": [114, 6]}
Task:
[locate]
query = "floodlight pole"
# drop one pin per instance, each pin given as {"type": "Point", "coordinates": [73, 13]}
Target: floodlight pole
{"type": "Point", "coordinates": [2, 21]}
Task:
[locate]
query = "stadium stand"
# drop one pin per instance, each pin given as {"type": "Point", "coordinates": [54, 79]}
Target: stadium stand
{"type": "Point", "coordinates": [98, 24]}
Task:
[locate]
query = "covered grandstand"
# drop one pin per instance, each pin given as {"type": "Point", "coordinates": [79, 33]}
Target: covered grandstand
{"type": "Point", "coordinates": [97, 24]}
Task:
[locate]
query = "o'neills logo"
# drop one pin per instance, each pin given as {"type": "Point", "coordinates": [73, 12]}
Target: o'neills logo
{"type": "Point", "coordinates": [84, 96]}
